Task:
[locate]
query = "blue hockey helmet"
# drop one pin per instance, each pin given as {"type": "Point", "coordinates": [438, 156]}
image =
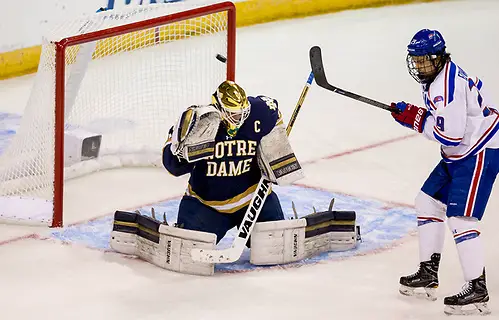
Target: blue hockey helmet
{"type": "Point", "coordinates": [426, 55]}
{"type": "Point", "coordinates": [426, 42]}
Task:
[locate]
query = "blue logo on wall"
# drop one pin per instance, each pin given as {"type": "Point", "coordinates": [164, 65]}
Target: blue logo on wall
{"type": "Point", "coordinates": [112, 3]}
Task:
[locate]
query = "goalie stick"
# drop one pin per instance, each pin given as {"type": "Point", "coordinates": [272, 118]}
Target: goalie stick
{"type": "Point", "coordinates": [320, 79]}
{"type": "Point", "coordinates": [233, 253]}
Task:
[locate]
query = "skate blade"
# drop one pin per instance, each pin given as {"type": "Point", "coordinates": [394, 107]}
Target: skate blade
{"type": "Point", "coordinates": [420, 293]}
{"type": "Point", "coordinates": [467, 310]}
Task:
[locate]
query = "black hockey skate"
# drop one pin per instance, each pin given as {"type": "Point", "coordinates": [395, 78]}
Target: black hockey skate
{"type": "Point", "coordinates": [426, 278]}
{"type": "Point", "coordinates": [471, 300]}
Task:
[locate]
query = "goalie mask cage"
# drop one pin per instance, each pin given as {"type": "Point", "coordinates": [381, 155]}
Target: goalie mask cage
{"type": "Point", "coordinates": [121, 76]}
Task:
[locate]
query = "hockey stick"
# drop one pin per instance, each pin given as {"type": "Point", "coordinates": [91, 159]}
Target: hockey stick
{"type": "Point", "coordinates": [262, 191]}
{"type": "Point", "coordinates": [320, 79]}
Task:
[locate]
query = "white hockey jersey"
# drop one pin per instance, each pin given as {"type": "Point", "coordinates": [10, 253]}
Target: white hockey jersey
{"type": "Point", "coordinates": [462, 118]}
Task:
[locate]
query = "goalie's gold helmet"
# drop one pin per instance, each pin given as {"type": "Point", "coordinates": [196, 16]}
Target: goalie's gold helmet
{"type": "Point", "coordinates": [233, 103]}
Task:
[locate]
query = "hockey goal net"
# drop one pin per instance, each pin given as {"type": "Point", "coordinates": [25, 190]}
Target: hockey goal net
{"type": "Point", "coordinates": [107, 90]}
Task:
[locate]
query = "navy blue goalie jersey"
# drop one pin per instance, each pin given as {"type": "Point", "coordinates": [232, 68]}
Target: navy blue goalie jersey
{"type": "Point", "coordinates": [227, 181]}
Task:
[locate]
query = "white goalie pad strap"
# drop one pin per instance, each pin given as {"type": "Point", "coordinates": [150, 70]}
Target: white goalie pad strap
{"type": "Point", "coordinates": [194, 133]}
{"type": "Point", "coordinates": [276, 158]}
{"type": "Point", "coordinates": [162, 245]}
{"type": "Point", "coordinates": [124, 238]}
{"type": "Point", "coordinates": [278, 242]}
{"type": "Point", "coordinates": [331, 241]}
{"type": "Point", "coordinates": [176, 244]}
{"type": "Point", "coordinates": [123, 242]}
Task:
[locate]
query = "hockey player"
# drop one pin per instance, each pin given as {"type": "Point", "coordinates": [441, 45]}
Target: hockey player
{"type": "Point", "coordinates": [224, 170]}
{"type": "Point", "coordinates": [458, 114]}
{"type": "Point", "coordinates": [227, 147]}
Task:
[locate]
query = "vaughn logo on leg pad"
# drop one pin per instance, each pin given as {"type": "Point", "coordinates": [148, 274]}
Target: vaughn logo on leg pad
{"type": "Point", "coordinates": [277, 242]}
{"type": "Point", "coordinates": [165, 246]}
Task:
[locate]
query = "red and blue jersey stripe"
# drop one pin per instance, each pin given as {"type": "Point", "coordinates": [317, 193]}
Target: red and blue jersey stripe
{"type": "Point", "coordinates": [450, 82]}
{"type": "Point", "coordinates": [445, 140]}
{"type": "Point", "coordinates": [479, 145]}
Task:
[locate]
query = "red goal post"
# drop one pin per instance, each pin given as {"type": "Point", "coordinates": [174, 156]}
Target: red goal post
{"type": "Point", "coordinates": [121, 78]}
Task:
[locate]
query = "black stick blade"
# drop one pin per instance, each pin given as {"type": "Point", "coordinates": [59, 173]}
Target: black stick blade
{"type": "Point", "coordinates": [318, 68]}
{"type": "Point", "coordinates": [321, 80]}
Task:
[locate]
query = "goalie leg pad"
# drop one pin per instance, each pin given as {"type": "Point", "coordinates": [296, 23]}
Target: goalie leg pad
{"type": "Point", "coordinates": [164, 246]}
{"type": "Point", "coordinates": [136, 235]}
{"type": "Point", "coordinates": [278, 242]}
{"type": "Point", "coordinates": [177, 244]}
{"type": "Point", "coordinates": [124, 234]}
{"type": "Point", "coordinates": [330, 231]}
{"type": "Point", "coordinates": [287, 241]}
{"type": "Point", "coordinates": [276, 158]}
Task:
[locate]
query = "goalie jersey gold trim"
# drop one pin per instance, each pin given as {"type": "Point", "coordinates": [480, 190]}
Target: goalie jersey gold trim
{"type": "Point", "coordinates": [227, 206]}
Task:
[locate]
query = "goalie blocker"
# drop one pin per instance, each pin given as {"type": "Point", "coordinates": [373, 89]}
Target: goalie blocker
{"type": "Point", "coordinates": [285, 241]}
{"type": "Point", "coordinates": [276, 159]}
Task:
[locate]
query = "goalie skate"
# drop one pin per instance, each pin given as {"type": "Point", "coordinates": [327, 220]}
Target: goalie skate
{"type": "Point", "coordinates": [424, 283]}
{"type": "Point", "coordinates": [471, 300]}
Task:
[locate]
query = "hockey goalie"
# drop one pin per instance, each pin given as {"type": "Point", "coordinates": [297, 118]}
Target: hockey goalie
{"type": "Point", "coordinates": [227, 147]}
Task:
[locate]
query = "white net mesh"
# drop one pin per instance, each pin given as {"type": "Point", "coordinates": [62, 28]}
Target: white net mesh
{"type": "Point", "coordinates": [128, 88]}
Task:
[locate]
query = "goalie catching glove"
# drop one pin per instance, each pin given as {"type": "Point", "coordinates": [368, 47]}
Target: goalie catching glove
{"type": "Point", "coordinates": [193, 136]}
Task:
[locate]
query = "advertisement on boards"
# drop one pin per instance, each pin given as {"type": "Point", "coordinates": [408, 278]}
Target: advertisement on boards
{"type": "Point", "coordinates": [23, 26]}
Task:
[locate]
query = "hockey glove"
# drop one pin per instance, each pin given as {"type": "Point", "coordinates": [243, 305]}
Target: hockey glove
{"type": "Point", "coordinates": [410, 116]}
{"type": "Point", "coordinates": [193, 136]}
